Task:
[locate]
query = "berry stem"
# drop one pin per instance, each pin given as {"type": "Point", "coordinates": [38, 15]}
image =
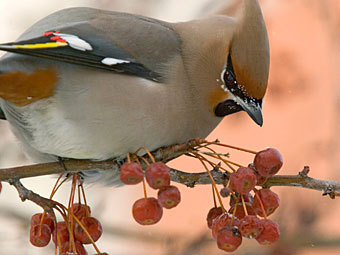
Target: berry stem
{"type": "Point", "coordinates": [70, 212]}
{"type": "Point", "coordinates": [59, 242]}
{"type": "Point", "coordinates": [234, 163]}
{"type": "Point", "coordinates": [73, 187]}
{"type": "Point", "coordinates": [244, 205]}
{"type": "Point", "coordinates": [148, 152]}
{"type": "Point", "coordinates": [145, 161]}
{"type": "Point", "coordinates": [220, 158]}
{"type": "Point", "coordinates": [199, 157]}
{"type": "Point", "coordinates": [261, 204]}
{"type": "Point", "coordinates": [79, 195]}
{"type": "Point", "coordinates": [144, 189]}
{"type": "Point", "coordinates": [70, 231]}
{"type": "Point", "coordinates": [55, 185]}
{"type": "Point", "coordinates": [229, 165]}
{"type": "Point", "coordinates": [59, 185]}
{"type": "Point", "coordinates": [61, 210]}
{"type": "Point", "coordinates": [235, 207]}
{"type": "Point", "coordinates": [144, 186]}
{"type": "Point", "coordinates": [214, 196]}
{"type": "Point", "coordinates": [84, 197]}
{"type": "Point", "coordinates": [128, 157]}
{"type": "Point", "coordinates": [233, 147]}
{"type": "Point", "coordinates": [214, 165]}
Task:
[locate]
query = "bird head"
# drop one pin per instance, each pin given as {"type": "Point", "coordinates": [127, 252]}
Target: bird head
{"type": "Point", "coordinates": [244, 77]}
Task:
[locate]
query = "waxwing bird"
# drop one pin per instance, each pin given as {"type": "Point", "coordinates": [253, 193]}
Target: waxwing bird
{"type": "Point", "coordinates": [91, 84]}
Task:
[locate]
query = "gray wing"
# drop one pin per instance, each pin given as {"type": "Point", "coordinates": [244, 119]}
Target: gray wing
{"type": "Point", "coordinates": [117, 42]}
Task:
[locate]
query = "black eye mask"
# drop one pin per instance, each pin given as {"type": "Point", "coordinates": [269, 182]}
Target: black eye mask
{"type": "Point", "coordinates": [230, 106]}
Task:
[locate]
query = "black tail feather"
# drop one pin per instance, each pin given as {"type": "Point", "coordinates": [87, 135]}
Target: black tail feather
{"type": "Point", "coordinates": [2, 115]}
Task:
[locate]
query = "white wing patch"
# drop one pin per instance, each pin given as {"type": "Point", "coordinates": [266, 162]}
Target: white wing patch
{"type": "Point", "coordinates": [113, 61]}
{"type": "Point", "coordinates": [75, 42]}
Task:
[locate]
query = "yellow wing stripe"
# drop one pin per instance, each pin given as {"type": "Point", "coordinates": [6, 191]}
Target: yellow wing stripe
{"type": "Point", "coordinates": [41, 45]}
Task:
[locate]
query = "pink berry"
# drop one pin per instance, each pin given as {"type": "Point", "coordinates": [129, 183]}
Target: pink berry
{"type": "Point", "coordinates": [147, 211]}
{"type": "Point", "coordinates": [92, 226]}
{"type": "Point", "coordinates": [213, 214]}
{"type": "Point", "coordinates": [131, 173]}
{"type": "Point", "coordinates": [40, 235]}
{"type": "Point", "coordinates": [243, 180]}
{"type": "Point", "coordinates": [169, 196]}
{"type": "Point", "coordinates": [270, 233]}
{"type": "Point", "coordinates": [227, 240]}
{"type": "Point", "coordinates": [225, 192]}
{"type": "Point", "coordinates": [224, 220]}
{"type": "Point", "coordinates": [270, 202]}
{"type": "Point", "coordinates": [268, 162]}
{"type": "Point", "coordinates": [250, 226]}
{"type": "Point", "coordinates": [157, 175]}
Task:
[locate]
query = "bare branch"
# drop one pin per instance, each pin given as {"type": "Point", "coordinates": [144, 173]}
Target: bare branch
{"type": "Point", "coordinates": [73, 166]}
{"type": "Point", "coordinates": [12, 175]}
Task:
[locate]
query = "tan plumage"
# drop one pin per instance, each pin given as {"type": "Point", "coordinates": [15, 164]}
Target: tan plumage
{"type": "Point", "coordinates": [167, 82]}
{"type": "Point", "coordinates": [250, 49]}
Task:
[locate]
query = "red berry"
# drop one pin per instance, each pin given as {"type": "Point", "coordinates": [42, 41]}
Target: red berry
{"type": "Point", "coordinates": [63, 232]}
{"type": "Point", "coordinates": [81, 210]}
{"type": "Point", "coordinates": [147, 211]}
{"type": "Point", "coordinates": [243, 180]}
{"type": "Point", "coordinates": [270, 201]}
{"type": "Point", "coordinates": [225, 192]}
{"type": "Point", "coordinates": [222, 221]}
{"type": "Point", "coordinates": [240, 213]}
{"type": "Point", "coordinates": [93, 227]}
{"type": "Point", "coordinates": [66, 249]}
{"type": "Point", "coordinates": [212, 214]}
{"type": "Point", "coordinates": [47, 219]}
{"type": "Point", "coordinates": [131, 173]}
{"type": "Point", "coordinates": [169, 196]}
{"type": "Point", "coordinates": [270, 233]}
{"type": "Point", "coordinates": [157, 175]}
{"type": "Point", "coordinates": [227, 240]}
{"type": "Point", "coordinates": [268, 162]}
{"type": "Point", "coordinates": [40, 235]}
{"type": "Point", "coordinates": [250, 226]}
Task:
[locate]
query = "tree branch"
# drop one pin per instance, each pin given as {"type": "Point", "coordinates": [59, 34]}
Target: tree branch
{"type": "Point", "coordinates": [12, 175]}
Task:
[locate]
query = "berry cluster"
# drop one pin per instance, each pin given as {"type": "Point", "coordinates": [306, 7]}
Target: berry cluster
{"type": "Point", "coordinates": [149, 210]}
{"type": "Point", "coordinates": [246, 216]}
{"type": "Point", "coordinates": [243, 217]}
{"type": "Point", "coordinates": [86, 230]}
{"type": "Point", "coordinates": [77, 229]}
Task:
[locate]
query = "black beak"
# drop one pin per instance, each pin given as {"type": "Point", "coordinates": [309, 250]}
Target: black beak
{"type": "Point", "coordinates": [254, 110]}
{"type": "Point", "coordinates": [230, 106]}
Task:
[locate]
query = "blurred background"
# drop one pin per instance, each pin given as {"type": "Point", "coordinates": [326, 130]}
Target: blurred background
{"type": "Point", "coordinates": [301, 120]}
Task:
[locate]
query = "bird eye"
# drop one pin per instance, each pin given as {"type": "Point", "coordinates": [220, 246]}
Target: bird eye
{"type": "Point", "coordinates": [229, 76]}
{"type": "Point", "coordinates": [230, 81]}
